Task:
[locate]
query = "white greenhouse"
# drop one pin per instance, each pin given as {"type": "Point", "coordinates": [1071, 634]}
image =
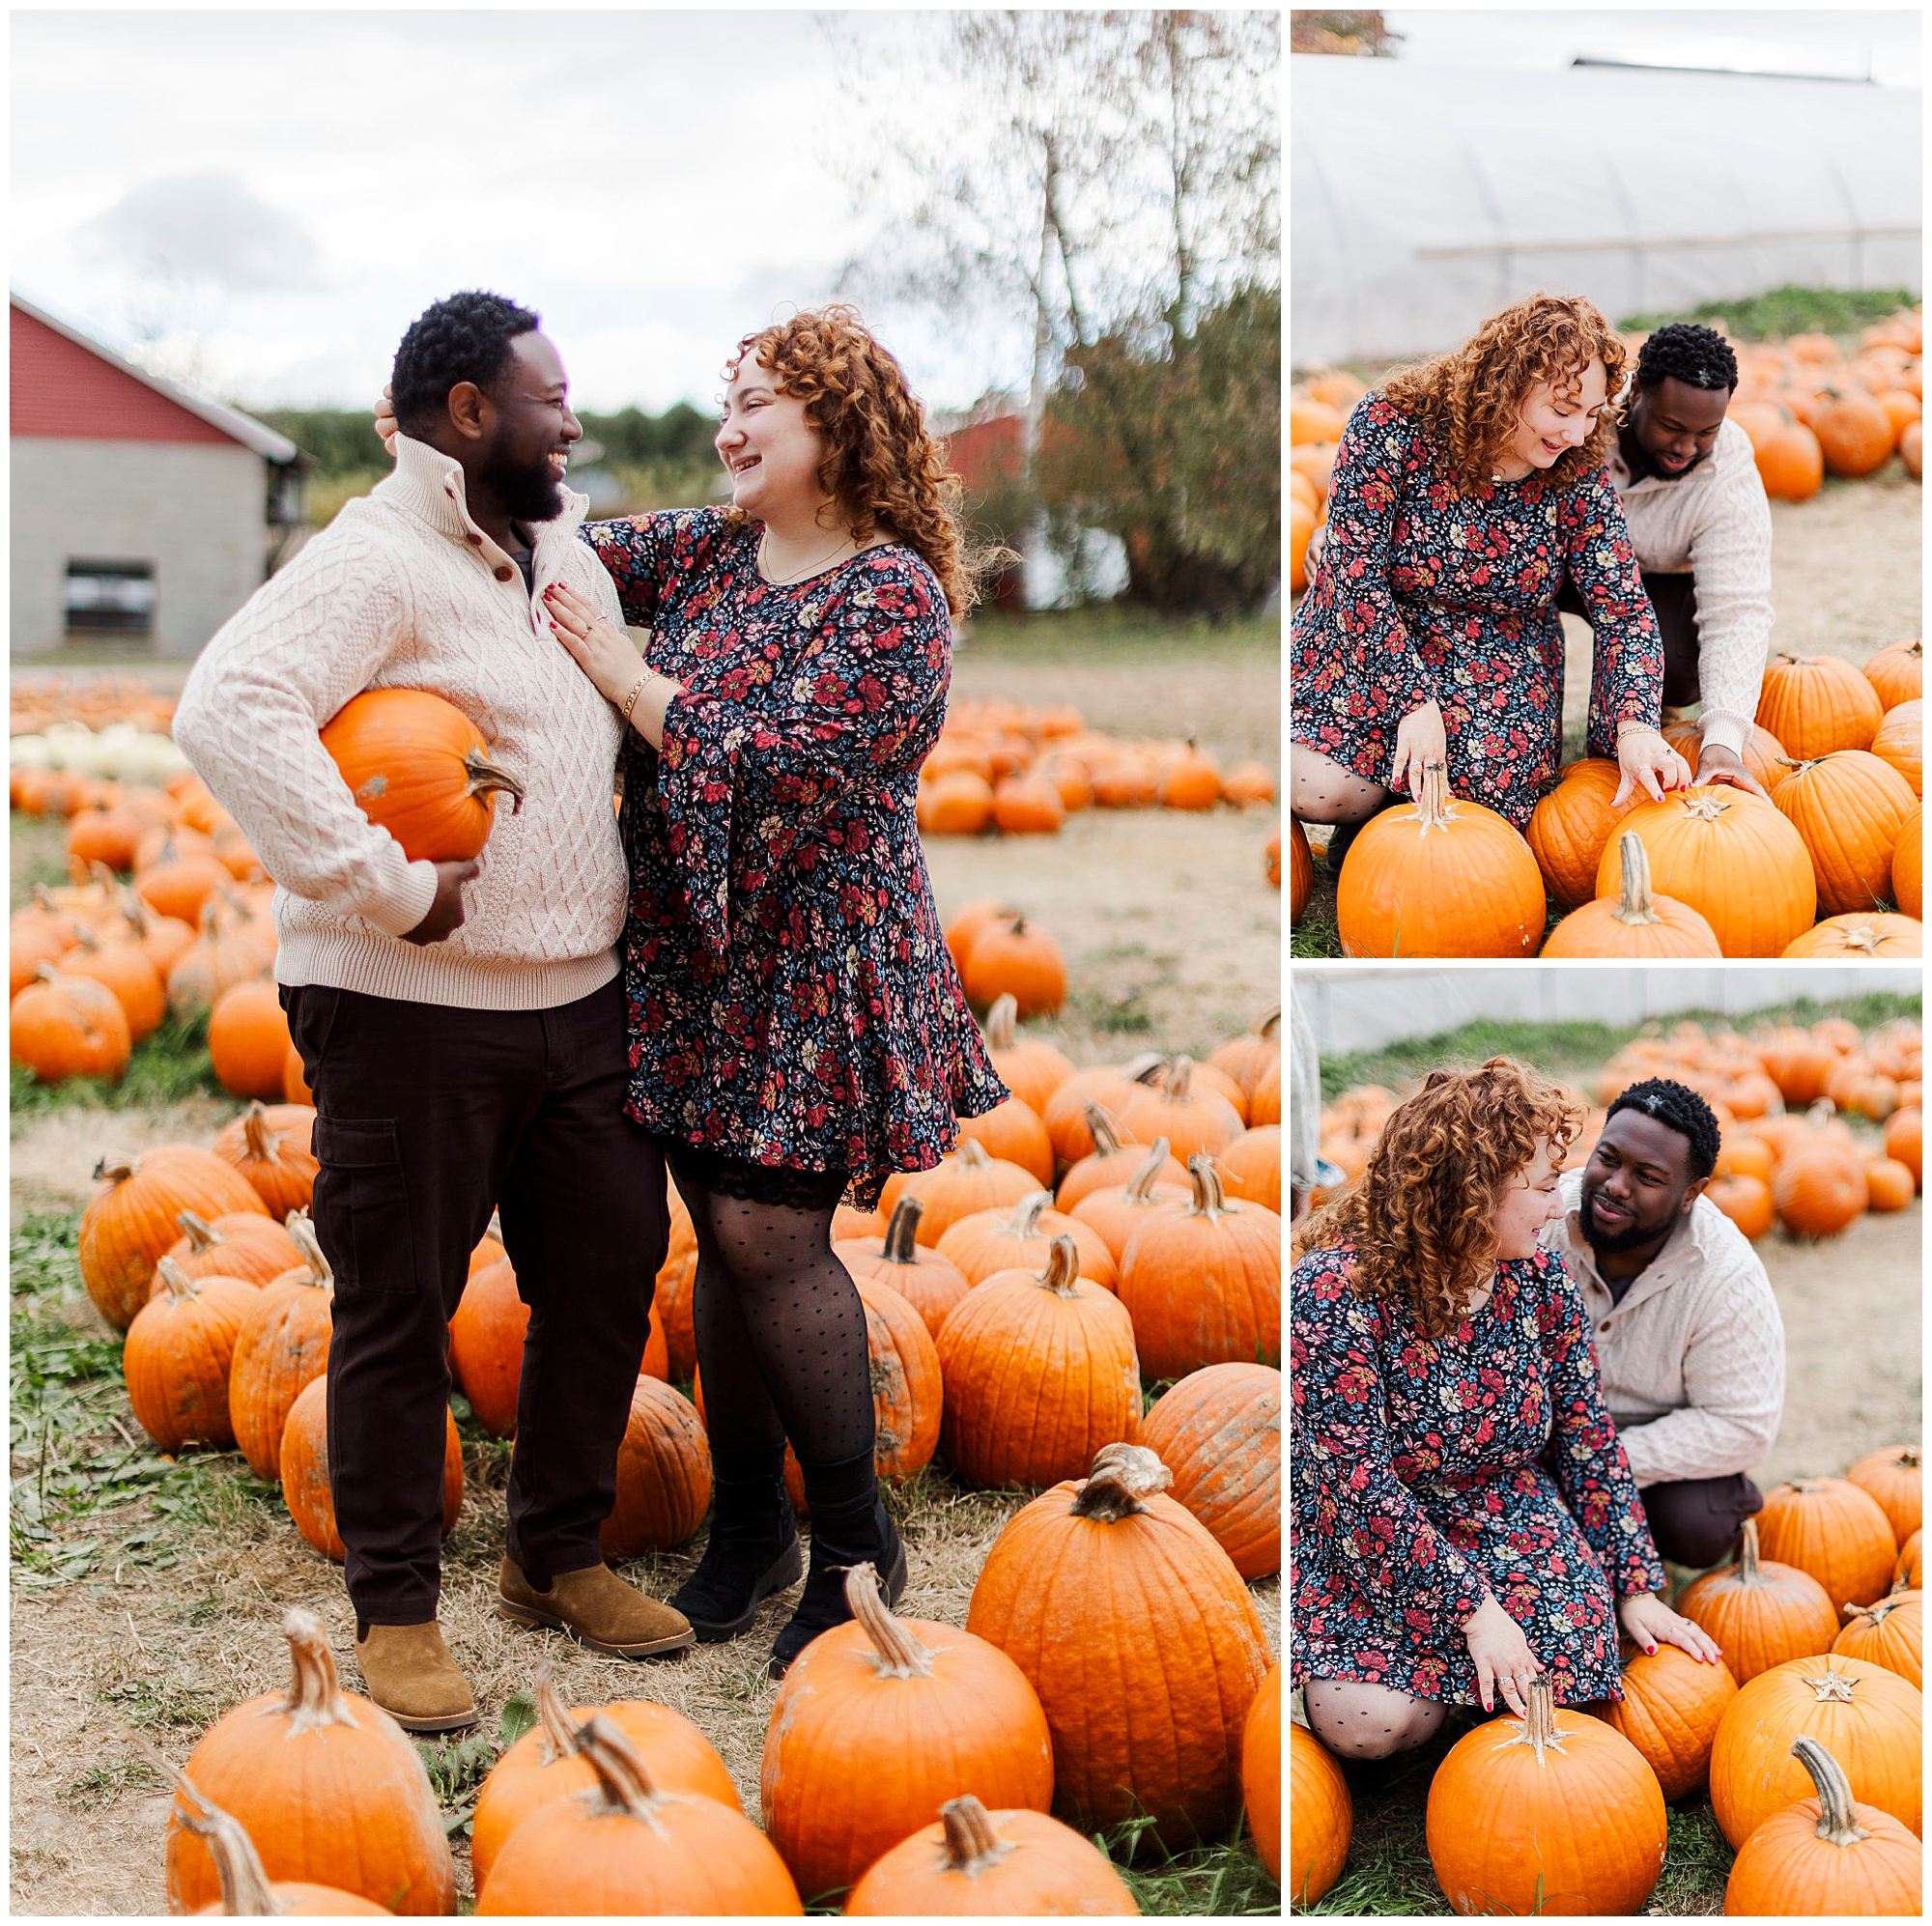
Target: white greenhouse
{"type": "Point", "coordinates": [1422, 199]}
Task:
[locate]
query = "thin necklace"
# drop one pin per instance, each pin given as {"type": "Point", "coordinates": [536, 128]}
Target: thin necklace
{"type": "Point", "coordinates": [785, 581]}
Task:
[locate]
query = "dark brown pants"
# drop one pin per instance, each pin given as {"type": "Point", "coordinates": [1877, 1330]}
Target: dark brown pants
{"type": "Point", "coordinates": [1695, 1521]}
{"type": "Point", "coordinates": [426, 1117]}
{"type": "Point", "coordinates": [1673, 601]}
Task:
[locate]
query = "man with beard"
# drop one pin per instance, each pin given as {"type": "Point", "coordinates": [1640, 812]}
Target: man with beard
{"type": "Point", "coordinates": [1700, 524]}
{"type": "Point", "coordinates": [464, 1054]}
{"type": "Point", "coordinates": [1688, 1339]}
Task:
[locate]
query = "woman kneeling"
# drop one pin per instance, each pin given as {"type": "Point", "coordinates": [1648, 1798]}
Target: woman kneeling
{"type": "Point", "coordinates": [1463, 1517]}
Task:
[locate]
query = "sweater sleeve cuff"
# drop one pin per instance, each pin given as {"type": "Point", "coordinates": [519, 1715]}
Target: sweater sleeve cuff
{"type": "Point", "coordinates": [395, 912]}
{"type": "Point", "coordinates": [1727, 731]}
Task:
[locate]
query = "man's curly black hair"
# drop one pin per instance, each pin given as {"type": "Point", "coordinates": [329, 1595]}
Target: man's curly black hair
{"type": "Point", "coordinates": [1700, 357]}
{"type": "Point", "coordinates": [464, 337]}
{"type": "Point", "coordinates": [1679, 1109]}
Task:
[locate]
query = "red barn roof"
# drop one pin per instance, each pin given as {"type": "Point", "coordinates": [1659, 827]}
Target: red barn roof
{"type": "Point", "coordinates": [64, 386]}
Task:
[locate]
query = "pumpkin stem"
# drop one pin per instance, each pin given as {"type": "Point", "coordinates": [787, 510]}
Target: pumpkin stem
{"type": "Point", "coordinates": [972, 1846]}
{"type": "Point", "coordinates": [1540, 1731]}
{"type": "Point", "coordinates": [265, 1147]}
{"type": "Point", "coordinates": [1140, 1187]}
{"type": "Point", "coordinates": [1707, 805]}
{"type": "Point", "coordinates": [1878, 1611]}
{"type": "Point", "coordinates": [180, 1287]}
{"type": "Point", "coordinates": [1180, 1074]}
{"type": "Point", "coordinates": [1025, 1220]}
{"type": "Point", "coordinates": [1434, 806]}
{"type": "Point", "coordinates": [315, 1694]}
{"type": "Point", "coordinates": [1210, 1198]}
{"type": "Point", "coordinates": [1102, 1128]}
{"type": "Point", "coordinates": [973, 1155]}
{"type": "Point", "coordinates": [554, 1720]}
{"type": "Point", "coordinates": [901, 1245]}
{"type": "Point", "coordinates": [1635, 910]}
{"type": "Point", "coordinates": [485, 778]}
{"type": "Point", "coordinates": [900, 1655]}
{"type": "Point", "coordinates": [1062, 1266]}
{"type": "Point", "coordinates": [1747, 1572]}
{"type": "Point", "coordinates": [1838, 1813]}
{"type": "Point", "coordinates": [245, 1891]}
{"type": "Point", "coordinates": [1143, 1069]}
{"type": "Point", "coordinates": [622, 1777]}
{"type": "Point", "coordinates": [1268, 1025]}
{"type": "Point", "coordinates": [202, 1236]}
{"type": "Point", "coordinates": [999, 1020]}
{"type": "Point", "coordinates": [1865, 937]}
{"type": "Point", "coordinates": [302, 1228]}
{"type": "Point", "coordinates": [1831, 1687]}
{"type": "Point", "coordinates": [1122, 1476]}
{"type": "Point", "coordinates": [113, 1167]}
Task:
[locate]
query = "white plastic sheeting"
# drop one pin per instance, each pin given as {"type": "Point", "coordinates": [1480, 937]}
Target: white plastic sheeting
{"type": "Point", "coordinates": [1360, 1008]}
{"type": "Point", "coordinates": [1423, 199]}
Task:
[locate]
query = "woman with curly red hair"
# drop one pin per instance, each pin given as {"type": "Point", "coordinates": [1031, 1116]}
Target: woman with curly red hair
{"type": "Point", "coordinates": [796, 1029]}
{"type": "Point", "coordinates": [1465, 493]}
{"type": "Point", "coordinates": [1463, 1519]}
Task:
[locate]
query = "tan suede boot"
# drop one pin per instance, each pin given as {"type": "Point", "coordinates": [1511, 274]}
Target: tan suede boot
{"type": "Point", "coordinates": [597, 1608]}
{"type": "Point", "coordinates": [410, 1675]}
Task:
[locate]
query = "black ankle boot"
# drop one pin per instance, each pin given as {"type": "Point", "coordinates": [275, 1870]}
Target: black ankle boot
{"type": "Point", "coordinates": [853, 1531]}
{"type": "Point", "coordinates": [752, 1552]}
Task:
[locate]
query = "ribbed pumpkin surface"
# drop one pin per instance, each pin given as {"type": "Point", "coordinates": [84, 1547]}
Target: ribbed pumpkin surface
{"type": "Point", "coordinates": [1817, 704]}
{"type": "Point", "coordinates": [1908, 865]}
{"type": "Point", "coordinates": [1040, 1868]}
{"type": "Point", "coordinates": [1900, 741]}
{"type": "Point", "coordinates": [1761, 1613]}
{"type": "Point", "coordinates": [1143, 1647]}
{"type": "Point", "coordinates": [283, 1347]}
{"type": "Point", "coordinates": [176, 1357]}
{"type": "Point", "coordinates": [1732, 857]}
{"type": "Point", "coordinates": [1670, 1711]}
{"type": "Point", "coordinates": [1868, 1719]}
{"type": "Point", "coordinates": [1895, 1477]}
{"type": "Point", "coordinates": [1321, 1818]}
{"type": "Point", "coordinates": [663, 1474]}
{"type": "Point", "coordinates": [1466, 885]}
{"type": "Point", "coordinates": [1838, 1534]}
{"type": "Point", "coordinates": [1863, 934]}
{"type": "Point", "coordinates": [1219, 1432]}
{"type": "Point", "coordinates": [304, 1471]}
{"type": "Point", "coordinates": [1888, 1632]}
{"type": "Point", "coordinates": [1572, 826]}
{"type": "Point", "coordinates": [1848, 807]}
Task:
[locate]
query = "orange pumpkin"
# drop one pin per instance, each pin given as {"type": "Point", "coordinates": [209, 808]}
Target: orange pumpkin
{"type": "Point", "coordinates": [1892, 1476]}
{"type": "Point", "coordinates": [1031, 1069]}
{"type": "Point", "coordinates": [1572, 826]}
{"type": "Point", "coordinates": [1113, 1161]}
{"type": "Point", "coordinates": [419, 768]}
{"type": "Point", "coordinates": [1890, 1633]}
{"type": "Point", "coordinates": [124, 967]}
{"type": "Point", "coordinates": [176, 1357]}
{"type": "Point", "coordinates": [282, 1347]}
{"type": "Point", "coordinates": [1636, 923]}
{"type": "Point", "coordinates": [1746, 1200]}
{"type": "Point", "coordinates": [241, 1244]}
{"type": "Point", "coordinates": [1853, 432]}
{"type": "Point", "coordinates": [1900, 741]}
{"type": "Point", "coordinates": [1816, 705]}
{"type": "Point", "coordinates": [1114, 1215]}
{"type": "Point", "coordinates": [1908, 871]}
{"type": "Point", "coordinates": [1439, 877]}
{"type": "Point", "coordinates": [1867, 933]}
{"type": "Point", "coordinates": [246, 1890]}
{"type": "Point", "coordinates": [63, 1026]}
{"type": "Point", "coordinates": [271, 1148]}
{"type": "Point", "coordinates": [1729, 855]}
{"type": "Point", "coordinates": [304, 1471]}
{"type": "Point", "coordinates": [1670, 1710]}
{"type": "Point", "coordinates": [248, 1040]}
{"type": "Point", "coordinates": [1903, 1132]}
{"type": "Point", "coordinates": [1897, 671]}
{"type": "Point", "coordinates": [1790, 463]}
{"type": "Point", "coordinates": [663, 1474]}
{"type": "Point", "coordinates": [1760, 1613]}
{"type": "Point", "coordinates": [932, 1285]}
{"type": "Point", "coordinates": [1848, 807]}
{"type": "Point", "coordinates": [1321, 1818]}
{"type": "Point", "coordinates": [1833, 1530]}
{"type": "Point", "coordinates": [1219, 1432]}
{"type": "Point", "coordinates": [1011, 1131]}
{"type": "Point", "coordinates": [1019, 960]}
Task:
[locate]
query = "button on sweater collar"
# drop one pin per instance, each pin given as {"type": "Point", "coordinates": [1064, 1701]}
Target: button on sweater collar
{"type": "Point", "coordinates": [429, 485]}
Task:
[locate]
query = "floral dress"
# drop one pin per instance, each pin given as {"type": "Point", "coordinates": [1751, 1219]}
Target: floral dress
{"type": "Point", "coordinates": [791, 1000]}
{"type": "Point", "coordinates": [1427, 594]}
{"type": "Point", "coordinates": [1423, 1483]}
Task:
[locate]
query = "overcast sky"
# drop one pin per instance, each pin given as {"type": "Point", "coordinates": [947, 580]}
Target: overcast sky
{"type": "Point", "coordinates": [656, 183]}
{"type": "Point", "coordinates": [1835, 42]}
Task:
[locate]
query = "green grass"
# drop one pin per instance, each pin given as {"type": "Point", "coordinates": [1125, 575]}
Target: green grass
{"type": "Point", "coordinates": [1785, 311]}
{"type": "Point", "coordinates": [1108, 633]}
{"type": "Point", "coordinates": [1222, 1882]}
{"type": "Point", "coordinates": [1569, 1049]}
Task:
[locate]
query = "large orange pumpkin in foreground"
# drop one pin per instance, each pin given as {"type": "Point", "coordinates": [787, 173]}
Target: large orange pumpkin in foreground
{"type": "Point", "coordinates": [1670, 1711]}
{"type": "Point", "coordinates": [1849, 807]}
{"type": "Point", "coordinates": [1321, 1818]}
{"type": "Point", "coordinates": [1556, 1813]}
{"type": "Point", "coordinates": [1731, 857]}
{"type": "Point", "coordinates": [1868, 1718]}
{"type": "Point", "coordinates": [1635, 924]}
{"type": "Point", "coordinates": [418, 767]}
{"type": "Point", "coordinates": [1826, 1858]}
{"type": "Point", "coordinates": [1440, 876]}
{"type": "Point", "coordinates": [881, 1722]}
{"type": "Point", "coordinates": [246, 1890]}
{"type": "Point", "coordinates": [1092, 1591]}
{"type": "Point", "coordinates": [326, 1784]}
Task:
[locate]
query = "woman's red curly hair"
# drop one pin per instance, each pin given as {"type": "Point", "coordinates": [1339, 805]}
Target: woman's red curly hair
{"type": "Point", "coordinates": [883, 467]}
{"type": "Point", "coordinates": [1422, 1216]}
{"type": "Point", "coordinates": [1472, 396]}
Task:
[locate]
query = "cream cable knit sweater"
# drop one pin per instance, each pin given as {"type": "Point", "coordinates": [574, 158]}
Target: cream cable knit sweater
{"type": "Point", "coordinates": [1714, 523]}
{"type": "Point", "coordinates": [1693, 1360]}
{"type": "Point", "coordinates": [403, 591]}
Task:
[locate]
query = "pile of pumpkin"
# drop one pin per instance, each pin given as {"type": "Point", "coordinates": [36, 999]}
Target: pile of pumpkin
{"type": "Point", "coordinates": [1805, 406]}
{"type": "Point", "coordinates": [98, 703]}
{"type": "Point", "coordinates": [1022, 770]}
{"type": "Point", "coordinates": [1787, 1154]}
{"type": "Point", "coordinates": [96, 966]}
{"type": "Point", "coordinates": [1010, 1326]}
{"type": "Point", "coordinates": [1707, 872]}
{"type": "Point", "coordinates": [1807, 1736]}
{"type": "Point", "coordinates": [910, 1765]}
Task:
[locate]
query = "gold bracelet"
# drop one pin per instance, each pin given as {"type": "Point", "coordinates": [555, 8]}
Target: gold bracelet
{"type": "Point", "coordinates": [630, 702]}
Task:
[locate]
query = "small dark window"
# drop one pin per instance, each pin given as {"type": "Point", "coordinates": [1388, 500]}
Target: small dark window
{"type": "Point", "coordinates": [110, 597]}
